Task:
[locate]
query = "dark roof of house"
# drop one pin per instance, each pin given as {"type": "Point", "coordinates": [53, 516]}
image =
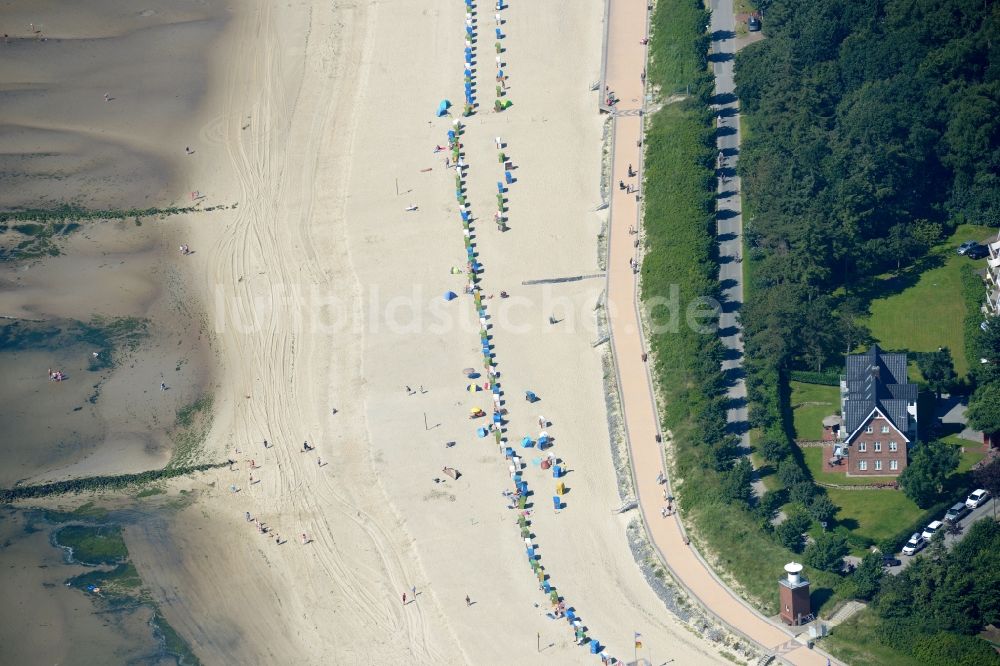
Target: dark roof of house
{"type": "Point", "coordinates": [876, 379]}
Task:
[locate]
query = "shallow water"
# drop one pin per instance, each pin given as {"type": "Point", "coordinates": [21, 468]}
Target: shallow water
{"type": "Point", "coordinates": [44, 622]}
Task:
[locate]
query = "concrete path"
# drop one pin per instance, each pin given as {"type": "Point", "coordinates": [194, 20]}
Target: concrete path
{"type": "Point", "coordinates": [626, 58]}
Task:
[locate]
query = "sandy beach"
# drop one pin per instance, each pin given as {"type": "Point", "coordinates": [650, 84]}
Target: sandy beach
{"type": "Point", "coordinates": [321, 296]}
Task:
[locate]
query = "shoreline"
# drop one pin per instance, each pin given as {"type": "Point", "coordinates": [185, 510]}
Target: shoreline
{"type": "Point", "coordinates": [310, 118]}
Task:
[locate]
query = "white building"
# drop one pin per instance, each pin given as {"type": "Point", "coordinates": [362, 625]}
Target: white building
{"type": "Point", "coordinates": [993, 279]}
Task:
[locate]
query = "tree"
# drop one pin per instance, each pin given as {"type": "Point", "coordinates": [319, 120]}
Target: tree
{"type": "Point", "coordinates": [790, 473]}
{"type": "Point", "coordinates": [822, 509]}
{"type": "Point", "coordinates": [931, 464]}
{"type": "Point", "coordinates": [773, 449]}
{"type": "Point", "coordinates": [790, 532]}
{"type": "Point", "coordinates": [726, 451]}
{"type": "Point", "coordinates": [938, 370]}
{"type": "Point", "coordinates": [988, 477]}
{"type": "Point", "coordinates": [766, 507]}
{"type": "Point", "coordinates": [736, 483]}
{"type": "Point", "coordinates": [802, 492]}
{"type": "Point", "coordinates": [868, 576]}
{"type": "Point", "coordinates": [827, 552]}
{"type": "Point", "coordinates": [984, 408]}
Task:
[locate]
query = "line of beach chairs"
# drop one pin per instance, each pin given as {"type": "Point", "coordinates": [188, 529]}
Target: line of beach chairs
{"type": "Point", "coordinates": [473, 268]}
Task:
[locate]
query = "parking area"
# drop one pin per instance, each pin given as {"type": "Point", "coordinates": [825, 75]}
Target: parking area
{"type": "Point", "coordinates": [984, 510]}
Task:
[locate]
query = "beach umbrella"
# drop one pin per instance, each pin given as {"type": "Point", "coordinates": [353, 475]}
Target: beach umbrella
{"type": "Point", "coordinates": [450, 295]}
{"type": "Point", "coordinates": [443, 107]}
{"type": "Point", "coordinates": [527, 442]}
{"type": "Point", "coordinates": [472, 388]}
{"type": "Point", "coordinates": [468, 72]}
{"type": "Point", "coordinates": [468, 371]}
{"type": "Point", "coordinates": [481, 432]}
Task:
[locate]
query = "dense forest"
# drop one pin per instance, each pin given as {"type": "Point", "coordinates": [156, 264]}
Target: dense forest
{"type": "Point", "coordinates": [931, 609]}
{"type": "Point", "coordinates": [874, 130]}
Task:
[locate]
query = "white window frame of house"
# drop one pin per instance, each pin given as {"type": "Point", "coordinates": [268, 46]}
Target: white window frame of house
{"type": "Point", "coordinates": [885, 430]}
{"type": "Point", "coordinates": [863, 465]}
{"type": "Point", "coordinates": [869, 429]}
{"type": "Point", "coordinates": [862, 447]}
{"type": "Point", "coordinates": [894, 465]}
{"type": "Point", "coordinates": [893, 446]}
{"type": "Point", "coordinates": [878, 465]}
{"type": "Point", "coordinates": [878, 446]}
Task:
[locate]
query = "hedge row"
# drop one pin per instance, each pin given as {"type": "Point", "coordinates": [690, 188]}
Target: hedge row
{"type": "Point", "coordinates": [973, 293]}
{"type": "Point", "coordinates": [807, 377]}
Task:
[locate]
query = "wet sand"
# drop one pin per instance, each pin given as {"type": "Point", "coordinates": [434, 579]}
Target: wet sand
{"type": "Point", "coordinates": [44, 622]}
{"type": "Point", "coordinates": [64, 142]}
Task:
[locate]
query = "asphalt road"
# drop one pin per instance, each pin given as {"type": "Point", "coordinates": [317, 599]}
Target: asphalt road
{"type": "Point", "coordinates": [729, 216]}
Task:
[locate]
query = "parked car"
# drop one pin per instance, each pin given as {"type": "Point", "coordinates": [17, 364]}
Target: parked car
{"type": "Point", "coordinates": [890, 561]}
{"type": "Point", "coordinates": [956, 513]}
{"type": "Point", "coordinates": [977, 498]}
{"type": "Point", "coordinates": [966, 246]}
{"type": "Point", "coordinates": [977, 252]}
{"type": "Point", "coordinates": [931, 528]}
{"type": "Point", "coordinates": [914, 545]}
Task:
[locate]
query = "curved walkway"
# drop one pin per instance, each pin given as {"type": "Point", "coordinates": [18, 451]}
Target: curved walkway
{"type": "Point", "coordinates": [625, 61]}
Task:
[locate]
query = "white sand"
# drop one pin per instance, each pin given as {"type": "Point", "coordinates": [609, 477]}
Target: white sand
{"type": "Point", "coordinates": [311, 115]}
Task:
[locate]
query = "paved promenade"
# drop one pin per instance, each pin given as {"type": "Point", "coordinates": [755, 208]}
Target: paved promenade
{"type": "Point", "coordinates": [626, 57]}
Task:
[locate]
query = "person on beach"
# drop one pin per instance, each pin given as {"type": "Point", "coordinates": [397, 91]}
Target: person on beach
{"type": "Point", "coordinates": [404, 598]}
{"type": "Point", "coordinates": [248, 516]}
{"type": "Point", "coordinates": [468, 601]}
{"type": "Point", "coordinates": [621, 184]}
{"type": "Point", "coordinates": [319, 462]}
{"type": "Point", "coordinates": [631, 172]}
{"type": "Point", "coordinates": [305, 539]}
{"type": "Point", "coordinates": [163, 386]}
{"type": "Point", "coordinates": [265, 443]}
{"type": "Point", "coordinates": [251, 478]}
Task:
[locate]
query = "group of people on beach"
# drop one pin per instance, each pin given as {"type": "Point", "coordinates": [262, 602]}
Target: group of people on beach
{"type": "Point", "coordinates": [56, 375]}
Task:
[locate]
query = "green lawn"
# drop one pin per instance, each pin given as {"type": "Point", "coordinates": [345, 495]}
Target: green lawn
{"type": "Point", "coordinates": [813, 456]}
{"type": "Point", "coordinates": [811, 403]}
{"type": "Point", "coordinates": [973, 452]}
{"type": "Point", "coordinates": [930, 313]}
{"type": "Point", "coordinates": [876, 514]}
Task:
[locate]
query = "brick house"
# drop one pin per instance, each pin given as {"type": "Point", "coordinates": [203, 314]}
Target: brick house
{"type": "Point", "coordinates": [879, 414]}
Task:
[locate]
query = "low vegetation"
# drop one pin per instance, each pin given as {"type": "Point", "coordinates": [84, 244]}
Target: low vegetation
{"type": "Point", "coordinates": [189, 432]}
{"type": "Point", "coordinates": [107, 337]}
{"type": "Point", "coordinates": [119, 587]}
{"type": "Point", "coordinates": [93, 544]}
